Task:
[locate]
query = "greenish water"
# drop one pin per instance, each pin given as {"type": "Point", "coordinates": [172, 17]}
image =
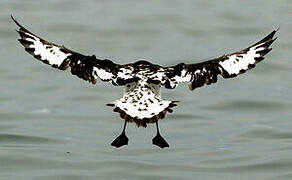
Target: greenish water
{"type": "Point", "coordinates": [56, 126]}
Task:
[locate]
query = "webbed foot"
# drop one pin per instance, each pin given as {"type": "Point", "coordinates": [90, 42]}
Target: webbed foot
{"type": "Point", "coordinates": [159, 141]}
{"type": "Point", "coordinates": [121, 140]}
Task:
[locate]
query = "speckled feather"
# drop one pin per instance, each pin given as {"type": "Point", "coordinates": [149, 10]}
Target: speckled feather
{"type": "Point", "coordinates": [142, 102]}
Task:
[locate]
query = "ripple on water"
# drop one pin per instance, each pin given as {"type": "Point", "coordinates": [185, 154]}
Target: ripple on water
{"type": "Point", "coordinates": [185, 117]}
{"type": "Point", "coordinates": [247, 105]}
{"type": "Point", "coordinates": [266, 133]}
{"type": "Point", "coordinates": [24, 139]}
{"type": "Point", "coordinates": [4, 127]}
{"type": "Point", "coordinates": [279, 165]}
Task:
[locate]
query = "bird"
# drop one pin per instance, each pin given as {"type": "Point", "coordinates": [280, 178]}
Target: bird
{"type": "Point", "coordinates": [141, 102]}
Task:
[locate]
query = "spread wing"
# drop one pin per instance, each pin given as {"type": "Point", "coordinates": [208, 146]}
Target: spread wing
{"type": "Point", "coordinates": [88, 68]}
{"type": "Point", "coordinates": [228, 66]}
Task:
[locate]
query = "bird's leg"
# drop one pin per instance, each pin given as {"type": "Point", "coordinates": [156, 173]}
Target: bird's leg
{"type": "Point", "coordinates": [121, 139]}
{"type": "Point", "coordinates": [158, 140]}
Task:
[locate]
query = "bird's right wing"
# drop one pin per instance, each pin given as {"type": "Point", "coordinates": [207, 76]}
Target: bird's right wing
{"type": "Point", "coordinates": [88, 68]}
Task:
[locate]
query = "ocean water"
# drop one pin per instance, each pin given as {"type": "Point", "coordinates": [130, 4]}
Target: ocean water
{"type": "Point", "coordinates": [54, 126]}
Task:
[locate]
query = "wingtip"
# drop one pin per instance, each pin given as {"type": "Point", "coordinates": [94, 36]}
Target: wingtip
{"type": "Point", "coordinates": [15, 21]}
{"type": "Point", "coordinates": [277, 29]}
{"type": "Point", "coordinates": [268, 38]}
{"type": "Point", "coordinates": [275, 33]}
{"type": "Point", "coordinates": [20, 27]}
{"type": "Point", "coordinates": [271, 37]}
{"type": "Point", "coordinates": [272, 34]}
{"type": "Point", "coordinates": [275, 39]}
{"type": "Point", "coordinates": [11, 16]}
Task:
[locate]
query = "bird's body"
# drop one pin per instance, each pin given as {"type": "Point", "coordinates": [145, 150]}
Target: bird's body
{"type": "Point", "coordinates": [142, 102]}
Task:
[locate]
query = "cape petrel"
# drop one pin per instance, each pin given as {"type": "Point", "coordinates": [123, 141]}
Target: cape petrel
{"type": "Point", "coordinates": [141, 102]}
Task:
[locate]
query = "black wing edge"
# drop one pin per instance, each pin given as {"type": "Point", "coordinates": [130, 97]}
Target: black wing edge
{"type": "Point", "coordinates": [20, 26]}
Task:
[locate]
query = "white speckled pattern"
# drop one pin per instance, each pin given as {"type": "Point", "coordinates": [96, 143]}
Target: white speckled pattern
{"type": "Point", "coordinates": [234, 63]}
{"type": "Point", "coordinates": [142, 100]}
{"type": "Point", "coordinates": [48, 52]}
{"type": "Point", "coordinates": [102, 74]}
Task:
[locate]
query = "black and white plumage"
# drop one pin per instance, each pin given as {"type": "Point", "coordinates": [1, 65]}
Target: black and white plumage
{"type": "Point", "coordinates": [142, 102]}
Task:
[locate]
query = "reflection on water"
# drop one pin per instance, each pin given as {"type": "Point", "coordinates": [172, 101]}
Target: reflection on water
{"type": "Point", "coordinates": [55, 126]}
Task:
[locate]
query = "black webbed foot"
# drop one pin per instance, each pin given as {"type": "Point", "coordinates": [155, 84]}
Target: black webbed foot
{"type": "Point", "coordinates": [159, 141]}
{"type": "Point", "coordinates": [121, 140]}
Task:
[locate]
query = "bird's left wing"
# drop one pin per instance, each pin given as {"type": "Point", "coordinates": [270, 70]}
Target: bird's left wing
{"type": "Point", "coordinates": [88, 68]}
{"type": "Point", "coordinates": [228, 66]}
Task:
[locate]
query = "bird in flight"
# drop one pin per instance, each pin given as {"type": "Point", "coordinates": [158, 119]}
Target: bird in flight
{"type": "Point", "coordinates": [141, 102]}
